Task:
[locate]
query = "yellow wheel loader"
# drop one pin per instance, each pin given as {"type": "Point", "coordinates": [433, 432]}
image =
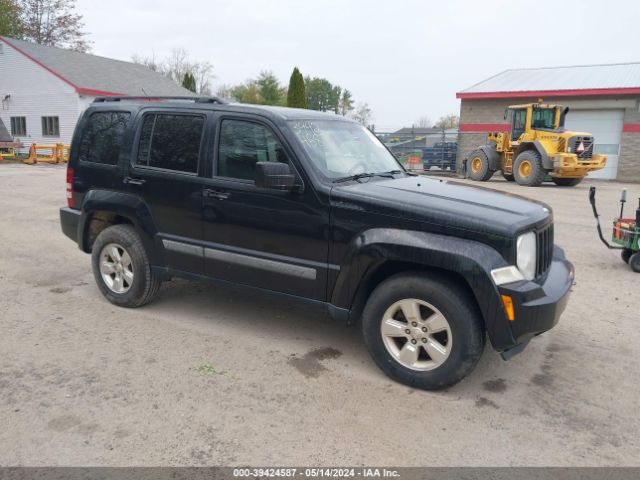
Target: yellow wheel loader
{"type": "Point", "coordinates": [537, 145]}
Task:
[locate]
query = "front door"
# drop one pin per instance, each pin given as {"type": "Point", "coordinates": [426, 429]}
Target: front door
{"type": "Point", "coordinates": [164, 172]}
{"type": "Point", "coordinates": [270, 239]}
{"type": "Point", "coordinates": [519, 123]}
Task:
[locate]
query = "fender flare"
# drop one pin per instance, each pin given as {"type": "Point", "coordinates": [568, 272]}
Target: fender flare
{"type": "Point", "coordinates": [131, 207]}
{"type": "Point", "coordinates": [493, 156]}
{"type": "Point", "coordinates": [471, 260]}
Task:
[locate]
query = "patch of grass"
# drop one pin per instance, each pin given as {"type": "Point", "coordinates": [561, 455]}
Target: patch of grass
{"type": "Point", "coordinates": [208, 369]}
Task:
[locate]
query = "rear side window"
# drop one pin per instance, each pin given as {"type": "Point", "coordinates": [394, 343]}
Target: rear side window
{"type": "Point", "coordinates": [170, 142]}
{"type": "Point", "coordinates": [102, 138]}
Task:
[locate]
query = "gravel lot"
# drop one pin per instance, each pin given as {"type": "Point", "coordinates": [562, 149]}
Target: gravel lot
{"type": "Point", "coordinates": [85, 383]}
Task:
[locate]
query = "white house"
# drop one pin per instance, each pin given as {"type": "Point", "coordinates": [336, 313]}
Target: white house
{"type": "Point", "coordinates": [44, 89]}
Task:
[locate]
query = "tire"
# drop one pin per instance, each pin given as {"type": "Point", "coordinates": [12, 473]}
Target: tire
{"type": "Point", "coordinates": [459, 346]}
{"type": "Point", "coordinates": [508, 177]}
{"type": "Point", "coordinates": [527, 169]}
{"type": "Point", "coordinates": [137, 287]}
{"type": "Point", "coordinates": [626, 254]}
{"type": "Point", "coordinates": [566, 182]}
{"type": "Point", "coordinates": [478, 166]}
{"type": "Point", "coordinates": [634, 262]}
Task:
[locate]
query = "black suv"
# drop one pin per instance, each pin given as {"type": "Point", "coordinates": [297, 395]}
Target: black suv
{"type": "Point", "coordinates": [311, 205]}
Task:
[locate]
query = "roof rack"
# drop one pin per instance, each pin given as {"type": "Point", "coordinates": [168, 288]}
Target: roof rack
{"type": "Point", "coordinates": [152, 98]}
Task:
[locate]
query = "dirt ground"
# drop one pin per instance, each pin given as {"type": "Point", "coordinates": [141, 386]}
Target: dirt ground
{"type": "Point", "coordinates": [206, 376]}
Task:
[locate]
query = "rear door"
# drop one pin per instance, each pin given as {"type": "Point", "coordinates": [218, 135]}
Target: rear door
{"type": "Point", "coordinates": [165, 171]}
{"type": "Point", "coordinates": [271, 239]}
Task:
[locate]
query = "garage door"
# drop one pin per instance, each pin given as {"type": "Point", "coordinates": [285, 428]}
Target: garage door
{"type": "Point", "coordinates": [606, 127]}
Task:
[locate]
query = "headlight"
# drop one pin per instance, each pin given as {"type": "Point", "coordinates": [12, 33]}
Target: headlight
{"type": "Point", "coordinates": [526, 260]}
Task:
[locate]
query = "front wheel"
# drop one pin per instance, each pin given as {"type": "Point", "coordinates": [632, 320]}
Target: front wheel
{"type": "Point", "coordinates": [527, 169]}
{"type": "Point", "coordinates": [121, 267]}
{"type": "Point", "coordinates": [423, 331]}
{"type": "Point", "coordinates": [634, 262]}
{"type": "Point", "coordinates": [626, 255]}
{"type": "Point", "coordinates": [566, 182]}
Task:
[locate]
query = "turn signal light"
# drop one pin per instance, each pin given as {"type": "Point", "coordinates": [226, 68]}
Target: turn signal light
{"type": "Point", "coordinates": [508, 307]}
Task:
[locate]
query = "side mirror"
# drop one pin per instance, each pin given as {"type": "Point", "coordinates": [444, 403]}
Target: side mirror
{"type": "Point", "coordinates": [274, 175]}
{"type": "Point", "coordinates": [506, 113]}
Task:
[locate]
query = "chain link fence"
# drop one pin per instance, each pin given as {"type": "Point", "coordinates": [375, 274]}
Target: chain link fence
{"type": "Point", "coordinates": [433, 151]}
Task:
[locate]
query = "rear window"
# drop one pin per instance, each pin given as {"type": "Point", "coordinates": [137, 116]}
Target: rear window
{"type": "Point", "coordinates": [170, 142]}
{"type": "Point", "coordinates": [102, 138]}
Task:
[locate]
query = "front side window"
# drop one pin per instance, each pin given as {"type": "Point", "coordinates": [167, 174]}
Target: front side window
{"type": "Point", "coordinates": [543, 118]}
{"type": "Point", "coordinates": [242, 144]}
{"type": "Point", "coordinates": [50, 127]}
{"type": "Point", "coordinates": [171, 142]}
{"type": "Point", "coordinates": [102, 137]}
{"type": "Point", "coordinates": [340, 149]}
{"type": "Point", "coordinates": [18, 126]}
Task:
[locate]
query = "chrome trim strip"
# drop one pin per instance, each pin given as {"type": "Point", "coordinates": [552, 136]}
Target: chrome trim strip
{"type": "Point", "coordinates": [298, 271]}
{"type": "Point", "coordinates": [182, 247]}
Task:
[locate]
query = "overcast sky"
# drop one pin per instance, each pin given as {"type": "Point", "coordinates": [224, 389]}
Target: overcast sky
{"type": "Point", "coordinates": [405, 59]}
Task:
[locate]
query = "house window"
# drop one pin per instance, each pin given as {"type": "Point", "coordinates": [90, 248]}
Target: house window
{"type": "Point", "coordinates": [18, 126]}
{"type": "Point", "coordinates": [50, 127]}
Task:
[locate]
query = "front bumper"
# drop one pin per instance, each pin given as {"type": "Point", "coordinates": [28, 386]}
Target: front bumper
{"type": "Point", "coordinates": [538, 305]}
{"type": "Point", "coordinates": [567, 165]}
{"type": "Point", "coordinates": [69, 221]}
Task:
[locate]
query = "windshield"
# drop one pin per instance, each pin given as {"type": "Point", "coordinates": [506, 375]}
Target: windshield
{"type": "Point", "coordinates": [341, 149]}
{"type": "Point", "coordinates": [543, 118]}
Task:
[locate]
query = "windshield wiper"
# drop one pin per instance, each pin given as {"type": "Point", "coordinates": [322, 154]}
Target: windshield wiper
{"type": "Point", "coordinates": [358, 176]}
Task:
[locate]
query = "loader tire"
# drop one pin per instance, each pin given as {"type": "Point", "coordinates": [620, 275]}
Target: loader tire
{"type": "Point", "coordinates": [566, 182]}
{"type": "Point", "coordinates": [478, 166]}
{"type": "Point", "coordinates": [527, 169]}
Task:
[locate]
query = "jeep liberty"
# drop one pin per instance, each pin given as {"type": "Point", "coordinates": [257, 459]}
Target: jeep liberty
{"type": "Point", "coordinates": [311, 205]}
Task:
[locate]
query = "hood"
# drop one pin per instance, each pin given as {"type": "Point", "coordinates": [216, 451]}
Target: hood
{"type": "Point", "coordinates": [446, 203]}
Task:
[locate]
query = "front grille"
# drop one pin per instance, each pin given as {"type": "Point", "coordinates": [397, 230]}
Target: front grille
{"type": "Point", "coordinates": [544, 250]}
{"type": "Point", "coordinates": [586, 152]}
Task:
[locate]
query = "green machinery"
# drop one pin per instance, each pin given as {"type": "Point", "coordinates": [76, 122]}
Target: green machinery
{"type": "Point", "coordinates": [626, 231]}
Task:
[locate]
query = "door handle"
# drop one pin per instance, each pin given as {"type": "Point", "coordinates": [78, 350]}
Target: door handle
{"type": "Point", "coordinates": [133, 181]}
{"type": "Point", "coordinates": [217, 194]}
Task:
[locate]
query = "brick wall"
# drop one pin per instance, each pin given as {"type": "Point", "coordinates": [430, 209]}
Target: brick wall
{"type": "Point", "coordinates": [491, 111]}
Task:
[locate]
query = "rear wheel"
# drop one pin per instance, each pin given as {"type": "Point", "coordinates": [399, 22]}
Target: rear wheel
{"type": "Point", "coordinates": [634, 262]}
{"type": "Point", "coordinates": [478, 166]}
{"type": "Point", "coordinates": [626, 254]}
{"type": "Point", "coordinates": [423, 331]}
{"type": "Point", "coordinates": [566, 182]}
{"type": "Point", "coordinates": [527, 169]}
{"type": "Point", "coordinates": [121, 267]}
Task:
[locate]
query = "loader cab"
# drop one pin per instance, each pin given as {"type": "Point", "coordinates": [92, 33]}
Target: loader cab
{"type": "Point", "coordinates": [536, 116]}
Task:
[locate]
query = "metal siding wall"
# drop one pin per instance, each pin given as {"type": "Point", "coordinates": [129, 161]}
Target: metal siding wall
{"type": "Point", "coordinates": [35, 93]}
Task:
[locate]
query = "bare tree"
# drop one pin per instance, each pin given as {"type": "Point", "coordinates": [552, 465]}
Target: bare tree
{"type": "Point", "coordinates": [176, 65]}
{"type": "Point", "coordinates": [54, 23]}
{"type": "Point", "coordinates": [448, 121]}
{"type": "Point", "coordinates": [362, 114]}
{"type": "Point", "coordinates": [423, 122]}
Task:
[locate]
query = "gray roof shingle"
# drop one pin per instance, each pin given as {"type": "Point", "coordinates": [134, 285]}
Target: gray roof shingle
{"type": "Point", "coordinates": [94, 74]}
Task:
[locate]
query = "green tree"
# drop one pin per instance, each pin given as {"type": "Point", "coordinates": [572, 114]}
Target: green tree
{"type": "Point", "coordinates": [10, 23]}
{"type": "Point", "coordinates": [296, 96]}
{"type": "Point", "coordinates": [269, 89]}
{"type": "Point", "coordinates": [189, 82]}
{"type": "Point", "coordinates": [346, 103]}
{"type": "Point", "coordinates": [448, 121]}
